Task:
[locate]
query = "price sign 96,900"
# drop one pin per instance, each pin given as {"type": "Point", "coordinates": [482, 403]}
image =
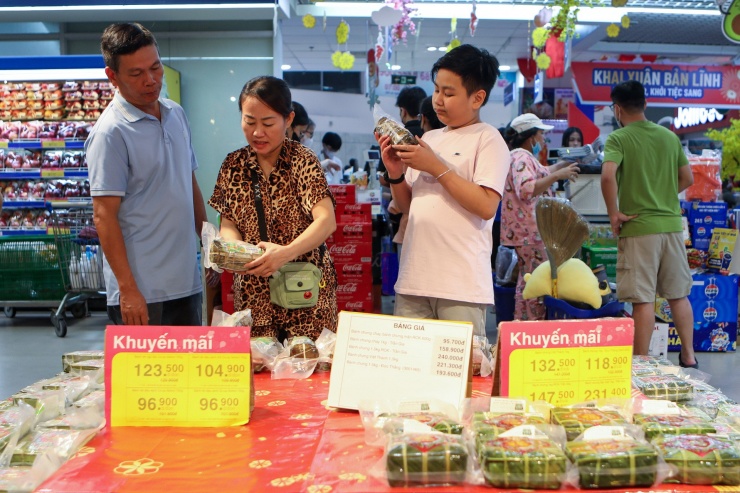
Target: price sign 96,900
{"type": "Point", "coordinates": [566, 361]}
{"type": "Point", "coordinates": [172, 376]}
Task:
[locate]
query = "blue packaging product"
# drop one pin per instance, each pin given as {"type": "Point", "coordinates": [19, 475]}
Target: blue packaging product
{"type": "Point", "coordinates": [708, 214]}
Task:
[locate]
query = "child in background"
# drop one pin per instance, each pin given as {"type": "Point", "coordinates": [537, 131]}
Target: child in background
{"type": "Point", "coordinates": [452, 186]}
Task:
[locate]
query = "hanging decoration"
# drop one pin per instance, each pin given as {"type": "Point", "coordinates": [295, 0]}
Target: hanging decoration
{"type": "Point", "coordinates": [612, 30]}
{"type": "Point", "coordinates": [385, 17]}
{"type": "Point", "coordinates": [373, 79]}
{"type": "Point", "coordinates": [543, 17]}
{"type": "Point", "coordinates": [342, 32]}
{"type": "Point", "coordinates": [555, 49]}
{"type": "Point", "coordinates": [404, 25]}
{"type": "Point", "coordinates": [625, 22]}
{"type": "Point", "coordinates": [309, 21]}
{"type": "Point", "coordinates": [619, 3]}
{"type": "Point", "coordinates": [454, 42]}
{"type": "Point", "coordinates": [379, 45]}
{"type": "Point", "coordinates": [473, 21]}
{"type": "Point", "coordinates": [543, 61]}
{"type": "Point", "coordinates": [343, 60]}
{"type": "Point", "coordinates": [539, 37]}
{"type": "Point", "coordinates": [324, 22]}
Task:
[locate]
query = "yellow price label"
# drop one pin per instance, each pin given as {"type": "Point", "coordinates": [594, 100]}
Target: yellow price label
{"type": "Point", "coordinates": [52, 173]}
{"type": "Point", "coordinates": [3, 144]}
{"type": "Point", "coordinates": [180, 389]}
{"type": "Point", "coordinates": [564, 376]}
{"type": "Point", "coordinates": [52, 144]}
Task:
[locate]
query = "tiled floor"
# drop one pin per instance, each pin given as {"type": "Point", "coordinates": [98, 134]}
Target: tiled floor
{"type": "Point", "coordinates": [31, 351]}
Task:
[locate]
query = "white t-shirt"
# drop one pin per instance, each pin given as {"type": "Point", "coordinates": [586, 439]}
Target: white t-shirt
{"type": "Point", "coordinates": [333, 176]}
{"type": "Point", "coordinates": [447, 250]}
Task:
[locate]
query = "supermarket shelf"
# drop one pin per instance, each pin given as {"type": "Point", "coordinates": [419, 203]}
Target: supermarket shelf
{"type": "Point", "coordinates": [44, 144]}
{"type": "Point", "coordinates": [42, 204]}
{"type": "Point", "coordinates": [24, 232]}
{"type": "Point", "coordinates": [35, 174]}
{"type": "Point", "coordinates": [24, 204]}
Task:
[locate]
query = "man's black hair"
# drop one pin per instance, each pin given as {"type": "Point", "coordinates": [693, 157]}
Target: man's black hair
{"type": "Point", "coordinates": [330, 139]}
{"type": "Point", "coordinates": [477, 68]}
{"type": "Point", "coordinates": [123, 38]}
{"type": "Point", "coordinates": [410, 98]}
{"type": "Point", "coordinates": [630, 95]}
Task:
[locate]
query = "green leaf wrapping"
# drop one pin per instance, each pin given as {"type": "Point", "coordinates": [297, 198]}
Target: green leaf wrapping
{"type": "Point", "coordinates": [613, 463]}
{"type": "Point", "coordinates": [659, 425]}
{"type": "Point", "coordinates": [426, 459]}
{"type": "Point", "coordinates": [522, 462]}
{"type": "Point", "coordinates": [578, 419]}
{"type": "Point", "coordinates": [701, 459]}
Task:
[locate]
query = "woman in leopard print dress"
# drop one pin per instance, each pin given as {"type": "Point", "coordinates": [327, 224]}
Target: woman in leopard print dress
{"type": "Point", "coordinates": [298, 208]}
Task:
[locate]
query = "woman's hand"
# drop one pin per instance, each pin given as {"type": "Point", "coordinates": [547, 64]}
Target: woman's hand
{"type": "Point", "coordinates": [268, 263]}
{"type": "Point", "coordinates": [393, 163]}
{"type": "Point", "coordinates": [568, 172]}
{"type": "Point", "coordinates": [420, 157]}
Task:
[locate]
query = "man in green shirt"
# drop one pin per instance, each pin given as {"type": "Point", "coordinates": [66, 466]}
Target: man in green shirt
{"type": "Point", "coordinates": [644, 170]}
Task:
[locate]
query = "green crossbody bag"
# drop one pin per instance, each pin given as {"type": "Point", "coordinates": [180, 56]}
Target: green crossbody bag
{"type": "Point", "coordinates": [296, 284]}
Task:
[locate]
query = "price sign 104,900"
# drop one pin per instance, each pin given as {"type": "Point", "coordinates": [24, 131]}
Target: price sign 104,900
{"type": "Point", "coordinates": [173, 376]}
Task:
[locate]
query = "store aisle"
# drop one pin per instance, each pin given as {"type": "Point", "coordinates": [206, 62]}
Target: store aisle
{"type": "Point", "coordinates": [30, 351]}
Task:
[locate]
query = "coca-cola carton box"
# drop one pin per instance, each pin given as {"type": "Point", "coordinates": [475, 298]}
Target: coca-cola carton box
{"type": "Point", "coordinates": [351, 252]}
{"type": "Point", "coordinates": [355, 306]}
{"type": "Point", "coordinates": [344, 194]}
{"type": "Point", "coordinates": [354, 213]}
{"type": "Point", "coordinates": [354, 272]}
{"type": "Point", "coordinates": [352, 233]}
{"type": "Point", "coordinates": [354, 291]}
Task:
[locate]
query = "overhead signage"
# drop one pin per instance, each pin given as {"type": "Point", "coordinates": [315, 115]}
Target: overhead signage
{"type": "Point", "coordinates": [731, 19]}
{"type": "Point", "coordinates": [404, 80]}
{"type": "Point", "coordinates": [690, 117]}
{"type": "Point", "coordinates": [665, 85]}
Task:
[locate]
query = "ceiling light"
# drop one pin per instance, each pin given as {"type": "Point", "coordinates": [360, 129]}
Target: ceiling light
{"type": "Point", "coordinates": [395, 67]}
{"type": "Point", "coordinates": [432, 48]}
{"type": "Point", "coordinates": [504, 68]}
{"type": "Point", "coordinates": [442, 48]}
{"type": "Point", "coordinates": [285, 67]}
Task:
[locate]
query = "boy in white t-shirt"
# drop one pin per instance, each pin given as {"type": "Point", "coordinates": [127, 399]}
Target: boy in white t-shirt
{"type": "Point", "coordinates": [452, 186]}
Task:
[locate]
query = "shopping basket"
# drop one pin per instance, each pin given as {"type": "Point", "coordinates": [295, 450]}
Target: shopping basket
{"type": "Point", "coordinates": [559, 309]}
{"type": "Point", "coordinates": [29, 272]}
{"type": "Point", "coordinates": [80, 262]}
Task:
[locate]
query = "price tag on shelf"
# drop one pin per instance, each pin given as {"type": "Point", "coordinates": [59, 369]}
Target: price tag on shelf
{"type": "Point", "coordinates": [400, 359]}
{"type": "Point", "coordinates": [177, 376]}
{"type": "Point", "coordinates": [52, 144]}
{"type": "Point", "coordinates": [565, 361]}
{"type": "Point", "coordinates": [52, 173]}
{"type": "Point", "coordinates": [3, 144]}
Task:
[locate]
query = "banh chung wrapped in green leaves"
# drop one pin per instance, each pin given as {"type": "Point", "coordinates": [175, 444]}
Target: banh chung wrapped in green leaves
{"type": "Point", "coordinates": [487, 425]}
{"type": "Point", "coordinates": [611, 463]}
{"type": "Point", "coordinates": [667, 387]}
{"type": "Point", "coordinates": [232, 255]}
{"type": "Point", "coordinates": [656, 425]}
{"type": "Point", "coordinates": [414, 459]}
{"type": "Point", "coordinates": [394, 422]}
{"type": "Point", "coordinates": [397, 132]}
{"type": "Point", "coordinates": [701, 459]}
{"type": "Point", "coordinates": [576, 420]}
{"type": "Point", "coordinates": [533, 462]}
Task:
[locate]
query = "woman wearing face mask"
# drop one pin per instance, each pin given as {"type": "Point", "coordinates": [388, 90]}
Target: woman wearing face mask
{"type": "Point", "coordinates": [307, 139]}
{"type": "Point", "coordinates": [527, 181]}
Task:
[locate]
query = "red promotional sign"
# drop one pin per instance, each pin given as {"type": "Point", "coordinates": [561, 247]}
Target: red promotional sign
{"type": "Point", "coordinates": [665, 85]}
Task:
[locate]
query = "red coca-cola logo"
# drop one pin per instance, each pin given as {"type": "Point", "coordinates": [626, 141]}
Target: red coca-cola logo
{"type": "Point", "coordinates": [350, 287]}
{"type": "Point", "coordinates": [348, 249]}
{"type": "Point", "coordinates": [353, 207]}
{"type": "Point", "coordinates": [353, 305]}
{"type": "Point", "coordinates": [352, 228]}
{"type": "Point", "coordinates": [351, 268]}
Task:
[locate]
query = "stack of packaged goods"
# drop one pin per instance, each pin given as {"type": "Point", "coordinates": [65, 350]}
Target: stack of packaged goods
{"type": "Point", "coordinates": [601, 249]}
{"type": "Point", "coordinates": [351, 249]}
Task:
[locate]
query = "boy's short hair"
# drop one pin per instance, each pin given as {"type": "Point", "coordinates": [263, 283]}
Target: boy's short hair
{"type": "Point", "coordinates": [630, 95]}
{"type": "Point", "coordinates": [330, 139]}
{"type": "Point", "coordinates": [410, 98]}
{"type": "Point", "coordinates": [477, 68]}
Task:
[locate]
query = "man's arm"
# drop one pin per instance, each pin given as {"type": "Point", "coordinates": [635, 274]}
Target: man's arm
{"type": "Point", "coordinates": [199, 207]}
{"type": "Point", "coordinates": [609, 191]}
{"type": "Point", "coordinates": [685, 178]}
{"type": "Point", "coordinates": [105, 216]}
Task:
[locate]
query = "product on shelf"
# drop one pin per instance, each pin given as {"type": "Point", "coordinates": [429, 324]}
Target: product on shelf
{"type": "Point", "coordinates": [395, 422]}
{"type": "Point", "coordinates": [489, 425]}
{"type": "Point", "coordinates": [426, 459]}
{"type": "Point", "coordinates": [578, 419]}
{"type": "Point", "coordinates": [667, 387]}
{"type": "Point", "coordinates": [658, 425]}
{"type": "Point", "coordinates": [701, 459]}
{"type": "Point", "coordinates": [264, 352]}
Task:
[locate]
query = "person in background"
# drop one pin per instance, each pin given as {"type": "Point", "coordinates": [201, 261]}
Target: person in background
{"type": "Point", "coordinates": [331, 164]}
{"type": "Point", "coordinates": [573, 137]}
{"type": "Point", "coordinates": [644, 170]}
{"type": "Point", "coordinates": [300, 123]}
{"type": "Point", "coordinates": [452, 185]}
{"type": "Point", "coordinates": [147, 205]}
{"type": "Point", "coordinates": [408, 102]}
{"type": "Point", "coordinates": [496, 231]}
{"type": "Point", "coordinates": [298, 209]}
{"type": "Point", "coordinates": [429, 121]}
{"type": "Point", "coordinates": [526, 182]}
{"type": "Point", "coordinates": [307, 139]}
{"type": "Point", "coordinates": [728, 194]}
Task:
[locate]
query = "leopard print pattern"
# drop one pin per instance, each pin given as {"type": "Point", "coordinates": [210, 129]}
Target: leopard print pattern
{"type": "Point", "coordinates": [288, 194]}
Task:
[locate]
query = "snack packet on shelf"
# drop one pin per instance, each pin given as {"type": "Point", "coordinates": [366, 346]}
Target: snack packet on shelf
{"type": "Point", "coordinates": [221, 255]}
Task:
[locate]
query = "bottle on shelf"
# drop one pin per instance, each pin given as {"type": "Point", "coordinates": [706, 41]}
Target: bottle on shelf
{"type": "Point", "coordinates": [75, 277]}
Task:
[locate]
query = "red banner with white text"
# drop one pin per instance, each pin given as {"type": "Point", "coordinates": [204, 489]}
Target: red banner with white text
{"type": "Point", "coordinates": [665, 85]}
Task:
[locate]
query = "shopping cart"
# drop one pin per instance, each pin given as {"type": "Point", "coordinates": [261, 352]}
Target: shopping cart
{"type": "Point", "coordinates": [80, 262]}
{"type": "Point", "coordinates": [29, 273]}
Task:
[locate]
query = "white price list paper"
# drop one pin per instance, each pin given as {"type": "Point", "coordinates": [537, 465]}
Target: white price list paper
{"type": "Point", "coordinates": [379, 357]}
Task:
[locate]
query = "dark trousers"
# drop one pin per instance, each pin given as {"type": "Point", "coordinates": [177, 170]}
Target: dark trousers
{"type": "Point", "coordinates": [186, 311]}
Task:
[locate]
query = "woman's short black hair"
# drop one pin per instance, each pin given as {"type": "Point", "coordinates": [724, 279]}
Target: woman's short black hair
{"type": "Point", "coordinates": [271, 91]}
{"type": "Point", "coordinates": [570, 131]}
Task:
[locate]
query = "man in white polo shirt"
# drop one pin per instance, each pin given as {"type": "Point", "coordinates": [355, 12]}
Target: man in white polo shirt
{"type": "Point", "coordinates": [147, 205]}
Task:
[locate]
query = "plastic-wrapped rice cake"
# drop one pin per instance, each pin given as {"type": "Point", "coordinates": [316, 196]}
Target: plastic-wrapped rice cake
{"type": "Point", "coordinates": [613, 463]}
{"type": "Point", "coordinates": [426, 459]}
{"type": "Point", "coordinates": [701, 459]}
{"type": "Point", "coordinates": [522, 462]}
{"type": "Point", "coordinates": [577, 419]}
{"type": "Point", "coordinates": [656, 425]}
